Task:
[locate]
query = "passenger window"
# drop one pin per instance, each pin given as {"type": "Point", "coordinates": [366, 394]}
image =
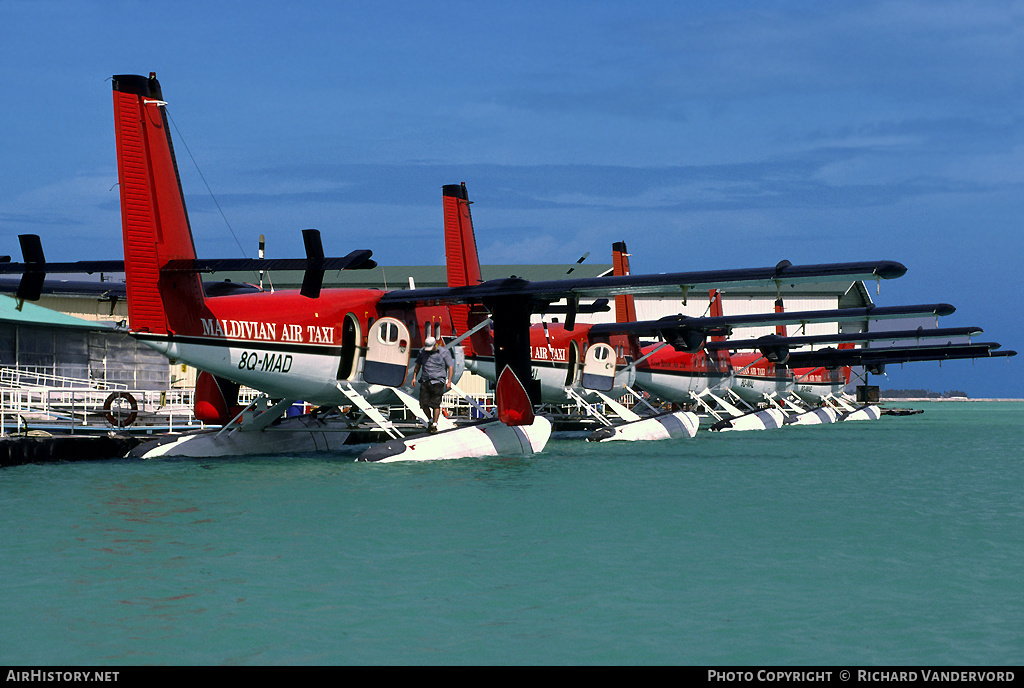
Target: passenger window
{"type": "Point", "coordinates": [387, 333]}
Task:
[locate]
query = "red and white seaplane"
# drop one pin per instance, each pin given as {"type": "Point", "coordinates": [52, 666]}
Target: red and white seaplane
{"type": "Point", "coordinates": [337, 347]}
{"type": "Point", "coordinates": [710, 373]}
{"type": "Point", "coordinates": [577, 362]}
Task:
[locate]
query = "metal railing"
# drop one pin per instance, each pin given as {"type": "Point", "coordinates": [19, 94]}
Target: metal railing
{"type": "Point", "coordinates": [85, 408]}
{"type": "Point", "coordinates": [28, 376]}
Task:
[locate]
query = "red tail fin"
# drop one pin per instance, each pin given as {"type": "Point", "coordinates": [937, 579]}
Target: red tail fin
{"type": "Point", "coordinates": [779, 329]}
{"type": "Point", "coordinates": [153, 216]}
{"type": "Point", "coordinates": [463, 262]}
{"type": "Point", "coordinates": [715, 309]}
{"type": "Point", "coordinates": [625, 307]}
{"type": "Point", "coordinates": [459, 238]}
{"type": "Point", "coordinates": [722, 357]}
{"type": "Point", "coordinates": [846, 369]}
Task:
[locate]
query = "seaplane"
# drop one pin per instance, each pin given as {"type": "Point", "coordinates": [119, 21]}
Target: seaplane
{"type": "Point", "coordinates": [585, 363]}
{"type": "Point", "coordinates": [809, 387]}
{"type": "Point", "coordinates": [336, 348]}
{"type": "Point", "coordinates": [731, 388]}
{"type": "Point", "coordinates": [874, 359]}
{"type": "Point", "coordinates": [715, 369]}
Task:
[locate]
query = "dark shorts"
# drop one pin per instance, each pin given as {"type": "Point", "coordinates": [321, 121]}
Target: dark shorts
{"type": "Point", "coordinates": [431, 393]}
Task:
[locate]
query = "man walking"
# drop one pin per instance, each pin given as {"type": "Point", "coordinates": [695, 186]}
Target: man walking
{"type": "Point", "coordinates": [434, 370]}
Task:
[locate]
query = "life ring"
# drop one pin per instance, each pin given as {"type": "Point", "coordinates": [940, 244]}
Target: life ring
{"type": "Point", "coordinates": [116, 417]}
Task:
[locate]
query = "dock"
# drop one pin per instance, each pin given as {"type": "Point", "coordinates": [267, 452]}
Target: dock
{"type": "Point", "coordinates": [18, 450]}
{"type": "Point", "coordinates": [47, 419]}
{"type": "Point", "coordinates": [901, 411]}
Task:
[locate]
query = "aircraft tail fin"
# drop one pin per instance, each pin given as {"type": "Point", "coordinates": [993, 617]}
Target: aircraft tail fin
{"type": "Point", "coordinates": [463, 264]}
{"type": "Point", "coordinates": [780, 329]}
{"type": "Point", "coordinates": [154, 220]}
{"type": "Point", "coordinates": [722, 357]}
{"type": "Point", "coordinates": [715, 309]}
{"type": "Point", "coordinates": [625, 306]}
{"type": "Point", "coordinates": [463, 260]}
{"type": "Point", "coordinates": [846, 371]}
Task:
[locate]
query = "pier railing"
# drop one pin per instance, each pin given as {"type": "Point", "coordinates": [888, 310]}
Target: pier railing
{"type": "Point", "coordinates": [15, 378]}
{"type": "Point", "coordinates": [36, 401]}
{"type": "Point", "coordinates": [33, 400]}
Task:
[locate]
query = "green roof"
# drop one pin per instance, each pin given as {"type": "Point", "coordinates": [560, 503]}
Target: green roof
{"type": "Point", "coordinates": [31, 314]}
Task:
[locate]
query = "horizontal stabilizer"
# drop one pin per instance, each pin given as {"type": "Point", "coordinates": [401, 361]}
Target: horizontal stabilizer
{"type": "Point", "coordinates": [357, 260]}
{"type": "Point", "coordinates": [81, 267]}
{"type": "Point", "coordinates": [35, 267]}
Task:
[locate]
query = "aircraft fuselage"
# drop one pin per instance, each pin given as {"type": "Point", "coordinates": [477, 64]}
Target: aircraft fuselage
{"type": "Point", "coordinates": [755, 377]}
{"type": "Point", "coordinates": [557, 358]}
{"type": "Point", "coordinates": [678, 376]}
{"type": "Point", "coordinates": [290, 346]}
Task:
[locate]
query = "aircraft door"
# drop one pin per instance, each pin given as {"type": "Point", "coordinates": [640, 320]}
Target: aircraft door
{"type": "Point", "coordinates": [387, 353]}
{"type": "Point", "coordinates": [599, 368]}
{"type": "Point", "coordinates": [349, 346]}
{"type": "Point", "coordinates": [627, 378]}
{"type": "Point", "coordinates": [572, 361]}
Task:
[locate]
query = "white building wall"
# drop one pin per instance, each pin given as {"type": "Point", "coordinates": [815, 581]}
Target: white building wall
{"type": "Point", "coordinates": [650, 308]}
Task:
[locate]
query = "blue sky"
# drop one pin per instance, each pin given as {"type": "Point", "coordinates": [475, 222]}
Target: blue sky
{"type": "Point", "coordinates": [705, 135]}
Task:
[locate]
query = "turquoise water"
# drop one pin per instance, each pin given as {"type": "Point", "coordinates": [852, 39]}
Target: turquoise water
{"type": "Point", "coordinates": [899, 541]}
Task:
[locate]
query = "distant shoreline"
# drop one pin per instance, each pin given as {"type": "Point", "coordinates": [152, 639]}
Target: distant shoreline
{"type": "Point", "coordinates": [916, 399]}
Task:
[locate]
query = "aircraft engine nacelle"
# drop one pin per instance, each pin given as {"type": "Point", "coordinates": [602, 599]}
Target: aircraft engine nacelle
{"type": "Point", "coordinates": [773, 350]}
{"type": "Point", "coordinates": [875, 368]}
{"type": "Point", "coordinates": [685, 338]}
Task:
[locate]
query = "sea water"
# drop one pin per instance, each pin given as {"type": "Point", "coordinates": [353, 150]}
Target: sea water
{"type": "Point", "coordinates": [890, 542]}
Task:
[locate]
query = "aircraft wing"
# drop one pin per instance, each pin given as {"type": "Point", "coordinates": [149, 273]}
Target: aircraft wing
{"type": "Point", "coordinates": [877, 358]}
{"type": "Point", "coordinates": [689, 334]}
{"type": "Point", "coordinates": [774, 340]}
{"type": "Point", "coordinates": [512, 301]}
{"type": "Point", "coordinates": [541, 293]}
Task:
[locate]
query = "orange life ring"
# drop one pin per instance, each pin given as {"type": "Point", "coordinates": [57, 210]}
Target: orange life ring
{"type": "Point", "coordinates": [116, 417]}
